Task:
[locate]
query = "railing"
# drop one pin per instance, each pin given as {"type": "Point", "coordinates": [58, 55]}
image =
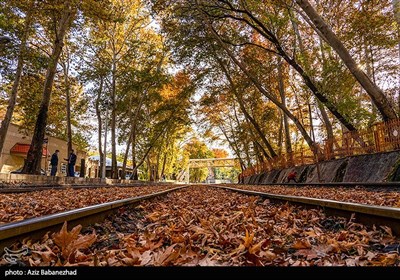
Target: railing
{"type": "Point", "coordinates": [381, 137]}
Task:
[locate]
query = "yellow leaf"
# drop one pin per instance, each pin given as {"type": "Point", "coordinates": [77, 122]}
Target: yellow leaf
{"type": "Point", "coordinates": [310, 233]}
{"type": "Point", "coordinates": [256, 248]}
{"type": "Point", "coordinates": [248, 239]}
{"type": "Point", "coordinates": [153, 217]}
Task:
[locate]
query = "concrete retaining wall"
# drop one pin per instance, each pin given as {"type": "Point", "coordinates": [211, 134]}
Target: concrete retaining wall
{"type": "Point", "coordinates": [379, 167]}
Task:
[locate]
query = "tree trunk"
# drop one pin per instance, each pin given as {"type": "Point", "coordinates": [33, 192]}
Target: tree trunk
{"type": "Point", "coordinates": [258, 147]}
{"type": "Point", "coordinates": [114, 166]}
{"type": "Point", "coordinates": [267, 34]}
{"type": "Point", "coordinates": [368, 56]}
{"type": "Point", "coordinates": [234, 147]}
{"type": "Point", "coordinates": [245, 148]}
{"type": "Point", "coordinates": [288, 143]}
{"type": "Point", "coordinates": [33, 160]}
{"type": "Point", "coordinates": [244, 111]}
{"type": "Point", "coordinates": [328, 127]}
{"type": "Point", "coordinates": [18, 74]}
{"type": "Point", "coordinates": [134, 165]}
{"type": "Point", "coordinates": [154, 140]}
{"type": "Point", "coordinates": [324, 114]}
{"type": "Point", "coordinates": [256, 126]}
{"type": "Point", "coordinates": [67, 86]}
{"type": "Point", "coordinates": [128, 144]}
{"type": "Point", "coordinates": [396, 10]}
{"type": "Point", "coordinates": [258, 85]}
{"type": "Point", "coordinates": [149, 169]}
{"type": "Point", "coordinates": [157, 175]}
{"type": "Point", "coordinates": [164, 162]}
{"type": "Point", "coordinates": [376, 94]}
{"type": "Point", "coordinates": [99, 126]}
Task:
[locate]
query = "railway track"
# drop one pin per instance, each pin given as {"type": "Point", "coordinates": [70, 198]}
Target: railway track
{"type": "Point", "coordinates": [366, 214]}
{"type": "Point", "coordinates": [216, 215]}
{"type": "Point", "coordinates": [33, 188]}
{"type": "Point", "coordinates": [336, 184]}
{"type": "Point", "coordinates": [36, 227]}
{"type": "Point", "coordinates": [205, 225]}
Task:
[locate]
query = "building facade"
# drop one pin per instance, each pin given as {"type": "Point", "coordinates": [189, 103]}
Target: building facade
{"type": "Point", "coordinates": [93, 168]}
{"type": "Point", "coordinates": [16, 147]}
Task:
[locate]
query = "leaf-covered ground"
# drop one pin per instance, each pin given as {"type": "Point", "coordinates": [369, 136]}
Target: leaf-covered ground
{"type": "Point", "coordinates": [363, 195]}
{"type": "Point", "coordinates": [205, 226]}
{"type": "Point", "coordinates": [20, 206]}
{"type": "Point", "coordinates": [16, 207]}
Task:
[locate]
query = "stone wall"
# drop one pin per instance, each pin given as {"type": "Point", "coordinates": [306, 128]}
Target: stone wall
{"type": "Point", "coordinates": [379, 167]}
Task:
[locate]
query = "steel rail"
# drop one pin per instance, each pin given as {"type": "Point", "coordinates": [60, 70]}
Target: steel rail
{"type": "Point", "coordinates": [34, 188]}
{"type": "Point", "coordinates": [36, 227]}
{"type": "Point", "coordinates": [334, 184]}
{"type": "Point", "coordinates": [366, 214]}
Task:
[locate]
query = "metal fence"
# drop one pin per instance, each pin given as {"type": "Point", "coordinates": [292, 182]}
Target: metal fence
{"type": "Point", "coordinates": [381, 137]}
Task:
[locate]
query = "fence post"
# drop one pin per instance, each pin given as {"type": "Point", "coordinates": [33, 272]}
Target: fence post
{"type": "Point", "coordinates": [376, 140]}
{"type": "Point", "coordinates": [346, 142]}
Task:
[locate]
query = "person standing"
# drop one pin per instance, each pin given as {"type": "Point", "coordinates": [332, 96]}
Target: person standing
{"type": "Point", "coordinates": [54, 163]}
{"type": "Point", "coordinates": [71, 164]}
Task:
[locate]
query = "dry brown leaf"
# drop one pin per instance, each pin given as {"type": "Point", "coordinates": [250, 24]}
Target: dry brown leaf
{"type": "Point", "coordinates": [268, 255]}
{"type": "Point", "coordinates": [47, 256]}
{"type": "Point", "coordinates": [256, 248]}
{"type": "Point", "coordinates": [342, 236]}
{"type": "Point", "coordinates": [146, 258]}
{"type": "Point", "coordinates": [301, 244]}
{"type": "Point", "coordinates": [388, 230]}
{"type": "Point", "coordinates": [64, 238]}
{"type": "Point", "coordinates": [207, 261]}
{"type": "Point", "coordinates": [153, 217]}
{"type": "Point", "coordinates": [130, 261]}
{"type": "Point", "coordinates": [201, 221]}
{"type": "Point", "coordinates": [72, 241]}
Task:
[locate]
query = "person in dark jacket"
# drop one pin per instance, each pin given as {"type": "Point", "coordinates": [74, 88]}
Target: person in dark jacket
{"type": "Point", "coordinates": [71, 164]}
{"type": "Point", "coordinates": [54, 163]}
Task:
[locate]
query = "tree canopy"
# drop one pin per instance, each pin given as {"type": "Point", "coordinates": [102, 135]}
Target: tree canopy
{"type": "Point", "coordinates": [257, 78]}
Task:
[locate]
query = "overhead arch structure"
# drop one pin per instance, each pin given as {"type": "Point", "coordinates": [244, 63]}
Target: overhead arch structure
{"type": "Point", "coordinates": [209, 163]}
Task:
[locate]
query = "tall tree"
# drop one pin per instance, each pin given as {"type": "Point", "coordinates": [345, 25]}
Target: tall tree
{"type": "Point", "coordinates": [65, 62]}
{"type": "Point", "coordinates": [21, 56]}
{"type": "Point", "coordinates": [63, 23]}
{"type": "Point", "coordinates": [396, 10]}
{"type": "Point", "coordinates": [376, 94]}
